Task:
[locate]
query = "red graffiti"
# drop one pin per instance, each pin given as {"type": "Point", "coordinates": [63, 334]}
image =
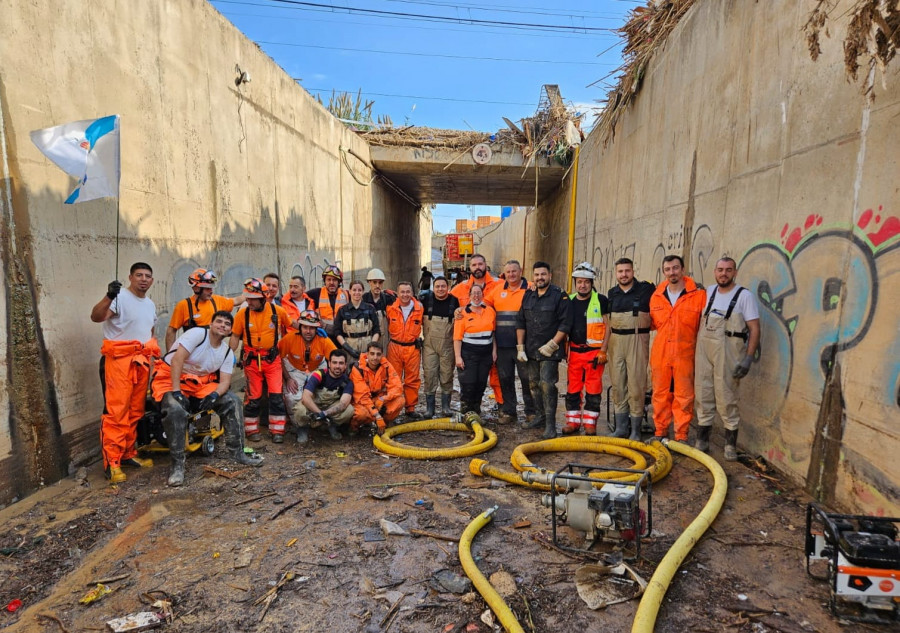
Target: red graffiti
{"type": "Point", "coordinates": [775, 455]}
{"type": "Point", "coordinates": [879, 235]}
{"type": "Point", "coordinates": [790, 238]}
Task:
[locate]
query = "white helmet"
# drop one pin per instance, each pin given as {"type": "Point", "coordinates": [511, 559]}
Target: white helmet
{"type": "Point", "coordinates": [584, 271]}
{"type": "Point", "coordinates": [376, 274]}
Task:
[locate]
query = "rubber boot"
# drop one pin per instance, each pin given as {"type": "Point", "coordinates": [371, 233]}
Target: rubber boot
{"type": "Point", "coordinates": [429, 406]}
{"type": "Point", "coordinates": [445, 405]}
{"type": "Point", "coordinates": [623, 425]}
{"type": "Point", "coordinates": [253, 459]}
{"type": "Point", "coordinates": [730, 445]}
{"type": "Point", "coordinates": [176, 450]}
{"type": "Point", "coordinates": [549, 429]}
{"type": "Point", "coordinates": [333, 432]}
{"type": "Point", "coordinates": [636, 422]}
{"type": "Point", "coordinates": [702, 441]}
{"type": "Point", "coordinates": [302, 435]}
{"type": "Point", "coordinates": [533, 422]}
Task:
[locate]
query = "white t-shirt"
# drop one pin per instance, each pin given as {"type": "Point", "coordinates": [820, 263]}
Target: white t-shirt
{"type": "Point", "coordinates": [132, 320]}
{"type": "Point", "coordinates": [673, 294]}
{"type": "Point", "coordinates": [746, 305]}
{"type": "Point", "coordinates": [204, 358]}
{"type": "Point", "coordinates": [407, 310]}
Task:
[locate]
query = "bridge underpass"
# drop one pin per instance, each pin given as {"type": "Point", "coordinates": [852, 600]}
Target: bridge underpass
{"type": "Point", "coordinates": [501, 176]}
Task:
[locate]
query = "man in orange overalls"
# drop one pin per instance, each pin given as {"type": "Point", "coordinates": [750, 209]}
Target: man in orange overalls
{"type": "Point", "coordinates": [128, 317]}
{"type": "Point", "coordinates": [377, 390]}
{"type": "Point", "coordinates": [404, 318]}
{"type": "Point", "coordinates": [258, 325]}
{"type": "Point", "coordinates": [675, 311]}
{"type": "Point", "coordinates": [197, 311]}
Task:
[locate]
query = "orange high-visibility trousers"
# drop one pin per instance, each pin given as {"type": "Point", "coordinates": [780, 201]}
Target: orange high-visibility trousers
{"type": "Point", "coordinates": [364, 415]}
{"type": "Point", "coordinates": [677, 403]}
{"type": "Point", "coordinates": [125, 373]}
{"type": "Point", "coordinates": [494, 381]}
{"type": "Point", "coordinates": [406, 360]}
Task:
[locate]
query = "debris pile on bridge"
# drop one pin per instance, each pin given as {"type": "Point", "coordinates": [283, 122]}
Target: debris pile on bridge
{"type": "Point", "coordinates": [553, 131]}
{"type": "Point", "coordinates": [644, 33]}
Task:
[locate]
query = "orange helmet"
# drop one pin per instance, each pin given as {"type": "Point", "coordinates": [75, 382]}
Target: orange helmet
{"type": "Point", "coordinates": [202, 278]}
{"type": "Point", "coordinates": [309, 317]}
{"type": "Point", "coordinates": [254, 289]}
{"type": "Point", "coordinates": [333, 271]}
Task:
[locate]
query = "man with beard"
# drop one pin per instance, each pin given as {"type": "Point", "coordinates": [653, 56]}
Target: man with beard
{"type": "Point", "coordinates": [729, 339]}
{"type": "Point", "coordinates": [302, 352]}
{"type": "Point", "coordinates": [377, 390]}
{"type": "Point", "coordinates": [675, 310]}
{"type": "Point", "coordinates": [197, 311]}
{"type": "Point", "coordinates": [437, 346]}
{"type": "Point", "coordinates": [479, 277]}
{"type": "Point", "coordinates": [587, 351]}
{"type": "Point", "coordinates": [379, 297]}
{"type": "Point", "coordinates": [297, 301]}
{"type": "Point", "coordinates": [326, 399]}
{"type": "Point", "coordinates": [506, 298]}
{"type": "Point", "coordinates": [258, 325]}
{"type": "Point", "coordinates": [629, 348]}
{"type": "Point", "coordinates": [541, 327]}
{"type": "Point", "coordinates": [128, 316]}
{"type": "Point", "coordinates": [329, 298]}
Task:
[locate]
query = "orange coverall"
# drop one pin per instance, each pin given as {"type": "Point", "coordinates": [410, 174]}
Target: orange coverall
{"type": "Point", "coordinates": [461, 292]}
{"type": "Point", "coordinates": [126, 372]}
{"type": "Point", "coordinates": [672, 356]}
{"type": "Point", "coordinates": [373, 390]}
{"type": "Point", "coordinates": [403, 351]}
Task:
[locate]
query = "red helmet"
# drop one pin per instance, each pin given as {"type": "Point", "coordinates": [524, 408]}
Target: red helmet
{"type": "Point", "coordinates": [333, 271]}
{"type": "Point", "coordinates": [202, 278]}
{"type": "Point", "coordinates": [254, 289]}
{"type": "Point", "coordinates": [309, 317]}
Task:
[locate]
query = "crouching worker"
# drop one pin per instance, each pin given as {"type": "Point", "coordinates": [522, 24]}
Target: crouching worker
{"type": "Point", "coordinates": [194, 377]}
{"type": "Point", "coordinates": [302, 352]}
{"type": "Point", "coordinates": [326, 399]}
{"type": "Point", "coordinates": [377, 390]}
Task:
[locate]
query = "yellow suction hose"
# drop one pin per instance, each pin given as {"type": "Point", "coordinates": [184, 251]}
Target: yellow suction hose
{"type": "Point", "coordinates": [629, 449]}
{"type": "Point", "coordinates": [495, 602]}
{"type": "Point", "coordinates": [484, 439]}
{"type": "Point", "coordinates": [645, 618]}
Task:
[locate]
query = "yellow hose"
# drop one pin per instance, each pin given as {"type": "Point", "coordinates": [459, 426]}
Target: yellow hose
{"type": "Point", "coordinates": [484, 440]}
{"type": "Point", "coordinates": [645, 618]}
{"type": "Point", "coordinates": [494, 600]}
{"type": "Point", "coordinates": [615, 446]}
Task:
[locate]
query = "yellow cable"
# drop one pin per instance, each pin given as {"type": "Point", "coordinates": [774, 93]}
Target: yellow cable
{"type": "Point", "coordinates": [645, 618]}
{"type": "Point", "coordinates": [491, 597]}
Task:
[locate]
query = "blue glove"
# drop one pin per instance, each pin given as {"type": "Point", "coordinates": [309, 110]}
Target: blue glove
{"type": "Point", "coordinates": [321, 332]}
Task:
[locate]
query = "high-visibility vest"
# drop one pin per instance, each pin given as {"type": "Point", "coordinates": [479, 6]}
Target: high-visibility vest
{"type": "Point", "coordinates": [326, 315]}
{"type": "Point", "coordinates": [596, 328]}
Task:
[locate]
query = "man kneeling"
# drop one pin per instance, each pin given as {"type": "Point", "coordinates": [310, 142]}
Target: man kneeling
{"type": "Point", "coordinates": [326, 399]}
{"type": "Point", "coordinates": [377, 390]}
{"type": "Point", "coordinates": [200, 363]}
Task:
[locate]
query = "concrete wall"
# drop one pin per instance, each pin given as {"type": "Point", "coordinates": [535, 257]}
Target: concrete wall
{"type": "Point", "coordinates": [739, 144]}
{"type": "Point", "coordinates": [242, 180]}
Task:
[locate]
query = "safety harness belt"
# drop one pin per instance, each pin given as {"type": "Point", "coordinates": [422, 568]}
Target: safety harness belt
{"type": "Point", "coordinates": [741, 335]}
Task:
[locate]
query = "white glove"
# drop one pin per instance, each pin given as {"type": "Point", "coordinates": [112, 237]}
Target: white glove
{"type": "Point", "coordinates": [521, 356]}
{"type": "Point", "coordinates": [548, 348]}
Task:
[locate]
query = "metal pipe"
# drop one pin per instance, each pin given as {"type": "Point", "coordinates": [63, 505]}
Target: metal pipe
{"type": "Point", "coordinates": [572, 218]}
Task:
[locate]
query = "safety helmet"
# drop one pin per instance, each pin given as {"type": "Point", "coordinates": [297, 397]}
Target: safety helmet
{"type": "Point", "coordinates": [376, 274]}
{"type": "Point", "coordinates": [309, 317]}
{"type": "Point", "coordinates": [202, 278]}
{"type": "Point", "coordinates": [333, 271]}
{"type": "Point", "coordinates": [254, 289]}
{"type": "Point", "coordinates": [584, 271]}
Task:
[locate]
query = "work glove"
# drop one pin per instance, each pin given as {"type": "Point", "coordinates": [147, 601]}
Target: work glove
{"type": "Point", "coordinates": [600, 359]}
{"type": "Point", "coordinates": [351, 350]}
{"type": "Point", "coordinates": [181, 400]}
{"type": "Point", "coordinates": [112, 290]}
{"type": "Point", "coordinates": [548, 348]}
{"type": "Point", "coordinates": [743, 367]}
{"type": "Point", "coordinates": [521, 356]}
{"type": "Point", "coordinates": [320, 331]}
{"type": "Point", "coordinates": [380, 426]}
{"type": "Point", "coordinates": [207, 403]}
{"type": "Point", "coordinates": [321, 416]}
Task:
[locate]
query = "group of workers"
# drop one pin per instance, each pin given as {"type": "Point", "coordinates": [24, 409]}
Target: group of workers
{"type": "Point", "coordinates": [332, 357]}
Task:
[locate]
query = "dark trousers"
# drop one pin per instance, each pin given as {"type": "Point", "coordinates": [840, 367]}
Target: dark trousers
{"type": "Point", "coordinates": [473, 379]}
{"type": "Point", "coordinates": [542, 378]}
{"type": "Point", "coordinates": [507, 366]}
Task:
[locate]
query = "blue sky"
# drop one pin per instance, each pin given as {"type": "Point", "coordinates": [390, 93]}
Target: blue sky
{"type": "Point", "coordinates": [442, 63]}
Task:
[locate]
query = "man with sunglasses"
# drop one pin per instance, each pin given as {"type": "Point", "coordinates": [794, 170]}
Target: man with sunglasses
{"type": "Point", "coordinates": [197, 311]}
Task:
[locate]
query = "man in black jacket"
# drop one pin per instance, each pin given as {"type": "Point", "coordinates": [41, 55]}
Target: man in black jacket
{"type": "Point", "coordinates": [541, 328]}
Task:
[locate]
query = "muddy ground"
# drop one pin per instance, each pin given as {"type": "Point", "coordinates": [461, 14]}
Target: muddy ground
{"type": "Point", "coordinates": [215, 546]}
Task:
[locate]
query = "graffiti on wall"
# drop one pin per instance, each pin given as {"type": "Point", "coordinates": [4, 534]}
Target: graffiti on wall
{"type": "Point", "coordinates": [310, 267]}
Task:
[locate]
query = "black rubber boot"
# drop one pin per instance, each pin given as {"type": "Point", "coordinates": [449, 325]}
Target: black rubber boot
{"type": "Point", "coordinates": [429, 406]}
{"type": "Point", "coordinates": [730, 445]}
{"type": "Point", "coordinates": [302, 435]}
{"type": "Point", "coordinates": [622, 425]}
{"type": "Point", "coordinates": [702, 441]}
{"type": "Point", "coordinates": [636, 422]}
{"type": "Point", "coordinates": [533, 422]}
{"type": "Point", "coordinates": [174, 424]}
{"type": "Point", "coordinates": [333, 432]}
{"type": "Point", "coordinates": [549, 429]}
{"type": "Point", "coordinates": [252, 459]}
{"type": "Point", "coordinates": [446, 411]}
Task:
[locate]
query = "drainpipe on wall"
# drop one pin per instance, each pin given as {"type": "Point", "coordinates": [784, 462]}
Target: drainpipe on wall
{"type": "Point", "coordinates": [572, 218]}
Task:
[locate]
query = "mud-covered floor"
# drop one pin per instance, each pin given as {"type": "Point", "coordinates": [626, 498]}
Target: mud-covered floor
{"type": "Point", "coordinates": [218, 544]}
